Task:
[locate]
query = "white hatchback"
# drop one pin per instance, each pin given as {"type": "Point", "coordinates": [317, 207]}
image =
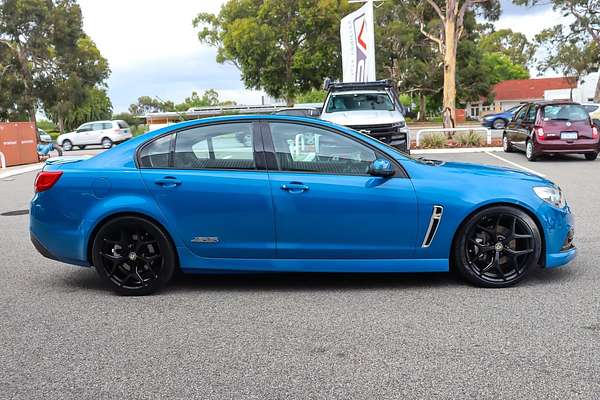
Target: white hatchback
{"type": "Point", "coordinates": [104, 133]}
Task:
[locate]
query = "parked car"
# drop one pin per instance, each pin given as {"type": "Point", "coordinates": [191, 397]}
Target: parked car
{"type": "Point", "coordinates": [44, 136]}
{"type": "Point", "coordinates": [592, 109]}
{"type": "Point", "coordinates": [501, 119]}
{"type": "Point", "coordinates": [105, 133]}
{"type": "Point", "coordinates": [300, 111]}
{"type": "Point", "coordinates": [372, 108]}
{"type": "Point", "coordinates": [551, 128]}
{"type": "Point", "coordinates": [201, 202]}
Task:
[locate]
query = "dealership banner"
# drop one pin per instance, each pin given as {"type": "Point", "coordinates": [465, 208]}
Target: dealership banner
{"type": "Point", "coordinates": [358, 45]}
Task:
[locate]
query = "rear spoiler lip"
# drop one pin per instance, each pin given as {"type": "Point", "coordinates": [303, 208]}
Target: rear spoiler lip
{"type": "Point", "coordinates": [67, 159]}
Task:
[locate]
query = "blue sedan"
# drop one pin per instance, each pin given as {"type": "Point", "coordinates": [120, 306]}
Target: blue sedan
{"type": "Point", "coordinates": [501, 119]}
{"type": "Point", "coordinates": [303, 195]}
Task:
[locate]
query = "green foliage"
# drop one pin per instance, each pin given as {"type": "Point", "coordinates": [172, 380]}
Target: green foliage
{"type": "Point", "coordinates": [46, 125]}
{"type": "Point", "coordinates": [313, 96]}
{"type": "Point", "coordinates": [469, 139]}
{"type": "Point", "coordinates": [285, 48]}
{"type": "Point", "coordinates": [434, 141]}
{"type": "Point", "coordinates": [147, 104]}
{"type": "Point", "coordinates": [572, 49]}
{"type": "Point", "coordinates": [500, 68]}
{"type": "Point", "coordinates": [97, 106]}
{"type": "Point", "coordinates": [46, 60]}
{"type": "Point", "coordinates": [513, 45]}
{"type": "Point", "coordinates": [132, 120]}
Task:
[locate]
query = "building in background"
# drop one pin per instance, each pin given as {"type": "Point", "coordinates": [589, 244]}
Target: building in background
{"type": "Point", "coordinates": [508, 94]}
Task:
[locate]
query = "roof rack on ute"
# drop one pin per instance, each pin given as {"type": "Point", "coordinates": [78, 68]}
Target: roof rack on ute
{"type": "Point", "coordinates": [337, 86]}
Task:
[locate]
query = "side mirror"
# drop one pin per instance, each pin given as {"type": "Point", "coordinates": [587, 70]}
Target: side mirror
{"type": "Point", "coordinates": [381, 167]}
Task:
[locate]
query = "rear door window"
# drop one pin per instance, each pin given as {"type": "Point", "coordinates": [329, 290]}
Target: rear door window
{"type": "Point", "coordinates": [520, 115]}
{"type": "Point", "coordinates": [156, 153]}
{"type": "Point", "coordinates": [122, 124]}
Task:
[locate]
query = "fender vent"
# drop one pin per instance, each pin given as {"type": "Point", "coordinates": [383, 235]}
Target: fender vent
{"type": "Point", "coordinates": [434, 222]}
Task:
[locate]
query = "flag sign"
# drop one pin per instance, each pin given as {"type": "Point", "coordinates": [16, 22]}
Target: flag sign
{"type": "Point", "coordinates": [358, 45]}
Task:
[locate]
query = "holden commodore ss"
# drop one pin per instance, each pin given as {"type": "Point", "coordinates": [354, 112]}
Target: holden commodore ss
{"type": "Point", "coordinates": [191, 197]}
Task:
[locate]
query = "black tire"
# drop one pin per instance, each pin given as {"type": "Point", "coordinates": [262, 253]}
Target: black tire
{"type": "Point", "coordinates": [530, 151]}
{"type": "Point", "coordinates": [81, 147]}
{"type": "Point", "coordinates": [67, 145]}
{"type": "Point", "coordinates": [106, 143]}
{"type": "Point", "coordinates": [591, 156]}
{"type": "Point", "coordinates": [506, 145]}
{"type": "Point", "coordinates": [499, 123]}
{"type": "Point", "coordinates": [497, 247]}
{"type": "Point", "coordinates": [150, 260]}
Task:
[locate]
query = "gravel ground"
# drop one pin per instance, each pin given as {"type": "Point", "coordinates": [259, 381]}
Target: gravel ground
{"type": "Point", "coordinates": [64, 336]}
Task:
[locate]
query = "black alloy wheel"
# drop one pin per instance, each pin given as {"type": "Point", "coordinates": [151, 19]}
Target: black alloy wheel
{"type": "Point", "coordinates": [133, 255]}
{"type": "Point", "coordinates": [497, 247]}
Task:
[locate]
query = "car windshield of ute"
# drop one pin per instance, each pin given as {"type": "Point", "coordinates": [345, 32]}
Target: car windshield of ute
{"type": "Point", "coordinates": [565, 112]}
{"type": "Point", "coordinates": [359, 101]}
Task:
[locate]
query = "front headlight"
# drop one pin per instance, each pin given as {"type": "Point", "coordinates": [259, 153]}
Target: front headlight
{"type": "Point", "coordinates": [487, 118]}
{"type": "Point", "coordinates": [399, 125]}
{"type": "Point", "coordinates": [552, 195]}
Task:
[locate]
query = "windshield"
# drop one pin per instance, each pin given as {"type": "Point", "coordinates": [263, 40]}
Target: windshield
{"type": "Point", "coordinates": [359, 101]}
{"type": "Point", "coordinates": [565, 112]}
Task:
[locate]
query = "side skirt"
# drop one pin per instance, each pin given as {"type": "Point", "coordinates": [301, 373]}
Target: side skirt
{"type": "Point", "coordinates": [193, 264]}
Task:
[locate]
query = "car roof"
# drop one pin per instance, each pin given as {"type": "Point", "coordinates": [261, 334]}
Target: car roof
{"type": "Point", "coordinates": [553, 102]}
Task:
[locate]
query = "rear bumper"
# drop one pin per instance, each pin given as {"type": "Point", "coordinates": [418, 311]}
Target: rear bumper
{"type": "Point", "coordinates": [562, 146]}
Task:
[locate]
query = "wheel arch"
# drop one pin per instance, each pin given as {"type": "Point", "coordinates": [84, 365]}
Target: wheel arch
{"type": "Point", "coordinates": [110, 217]}
{"type": "Point", "coordinates": [518, 206]}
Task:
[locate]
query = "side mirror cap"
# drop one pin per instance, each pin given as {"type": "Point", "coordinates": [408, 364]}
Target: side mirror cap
{"type": "Point", "coordinates": [381, 167]}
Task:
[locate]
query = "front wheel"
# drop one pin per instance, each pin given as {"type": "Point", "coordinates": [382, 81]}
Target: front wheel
{"type": "Point", "coordinates": [591, 156]}
{"type": "Point", "coordinates": [133, 255]}
{"type": "Point", "coordinates": [506, 146]}
{"type": "Point", "coordinates": [497, 247]}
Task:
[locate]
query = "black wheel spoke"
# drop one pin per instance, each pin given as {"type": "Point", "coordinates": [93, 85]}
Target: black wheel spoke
{"type": "Point", "coordinates": [500, 246]}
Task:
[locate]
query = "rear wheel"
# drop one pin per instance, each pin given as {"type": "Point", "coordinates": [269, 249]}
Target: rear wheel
{"type": "Point", "coordinates": [67, 145]}
{"type": "Point", "coordinates": [499, 124]}
{"type": "Point", "coordinates": [530, 151]}
{"type": "Point", "coordinates": [591, 156]}
{"type": "Point", "coordinates": [497, 247]}
{"type": "Point", "coordinates": [133, 255]}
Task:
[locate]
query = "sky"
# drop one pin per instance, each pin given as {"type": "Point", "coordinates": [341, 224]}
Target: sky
{"type": "Point", "coordinates": [153, 49]}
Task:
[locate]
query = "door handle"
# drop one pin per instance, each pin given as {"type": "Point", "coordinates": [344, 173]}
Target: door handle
{"type": "Point", "coordinates": [168, 182]}
{"type": "Point", "coordinates": [294, 187]}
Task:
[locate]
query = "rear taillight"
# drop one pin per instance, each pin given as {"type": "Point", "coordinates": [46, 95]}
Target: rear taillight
{"type": "Point", "coordinates": [540, 132]}
{"type": "Point", "coordinates": [594, 132]}
{"type": "Point", "coordinates": [45, 180]}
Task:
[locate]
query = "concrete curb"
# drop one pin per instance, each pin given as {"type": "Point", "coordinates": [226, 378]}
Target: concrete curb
{"type": "Point", "coordinates": [458, 150]}
{"type": "Point", "coordinates": [19, 171]}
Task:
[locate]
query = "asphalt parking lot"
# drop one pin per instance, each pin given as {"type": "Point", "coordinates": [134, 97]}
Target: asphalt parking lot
{"type": "Point", "coordinates": [398, 336]}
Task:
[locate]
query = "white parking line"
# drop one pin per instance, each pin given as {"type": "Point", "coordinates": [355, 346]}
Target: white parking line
{"type": "Point", "coordinates": [515, 164]}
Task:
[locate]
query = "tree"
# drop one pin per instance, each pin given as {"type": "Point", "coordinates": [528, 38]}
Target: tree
{"type": "Point", "coordinates": [147, 104]}
{"type": "Point", "coordinates": [514, 45]}
{"type": "Point", "coordinates": [574, 48]}
{"type": "Point", "coordinates": [446, 31]}
{"type": "Point", "coordinates": [78, 72]}
{"type": "Point", "coordinates": [96, 106]}
{"type": "Point", "coordinates": [46, 51]}
{"type": "Point", "coordinates": [405, 55]}
{"type": "Point", "coordinates": [283, 47]}
{"type": "Point", "coordinates": [208, 98]}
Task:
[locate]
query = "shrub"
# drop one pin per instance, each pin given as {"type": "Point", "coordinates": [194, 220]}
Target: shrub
{"type": "Point", "coordinates": [436, 140]}
{"type": "Point", "coordinates": [470, 138]}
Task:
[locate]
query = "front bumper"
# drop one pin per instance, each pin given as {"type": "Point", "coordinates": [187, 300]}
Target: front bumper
{"type": "Point", "coordinates": [559, 233]}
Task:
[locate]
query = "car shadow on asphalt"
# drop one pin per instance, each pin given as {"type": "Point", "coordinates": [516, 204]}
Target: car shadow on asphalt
{"type": "Point", "coordinates": [293, 282]}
